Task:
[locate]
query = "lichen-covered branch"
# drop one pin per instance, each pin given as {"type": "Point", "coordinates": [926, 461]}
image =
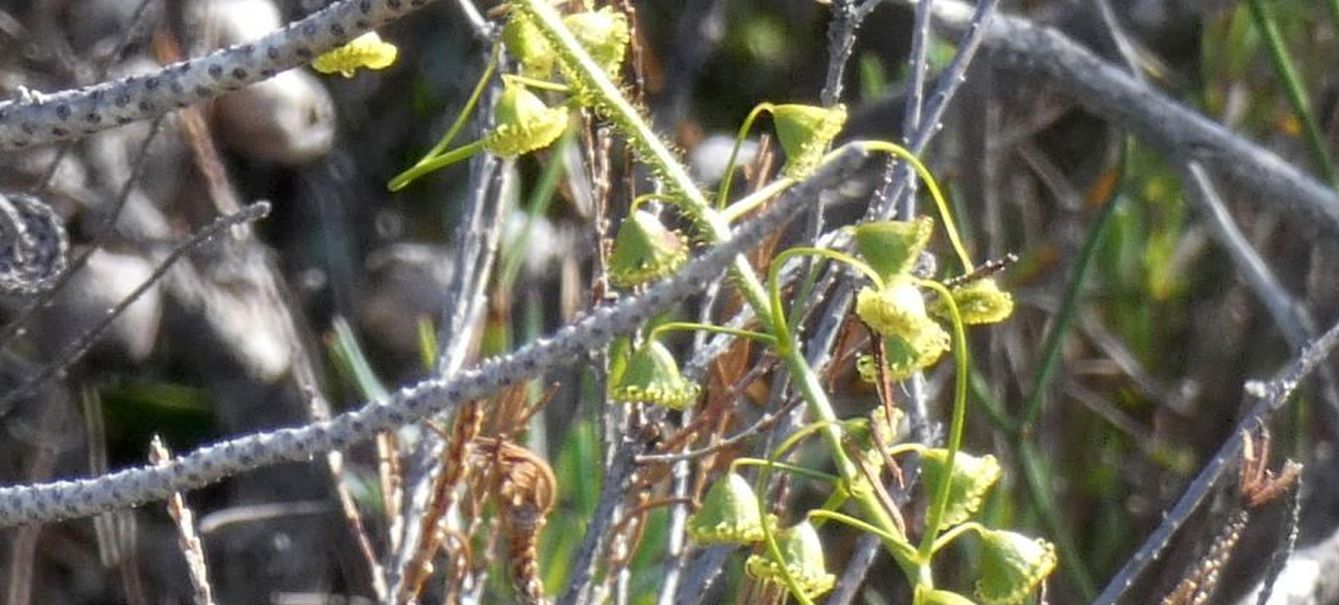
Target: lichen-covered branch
{"type": "Point", "coordinates": [1020, 46]}
{"type": "Point", "coordinates": [79, 112]}
{"type": "Point", "coordinates": [1270, 397]}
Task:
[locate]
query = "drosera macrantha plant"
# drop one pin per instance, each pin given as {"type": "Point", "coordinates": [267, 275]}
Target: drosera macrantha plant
{"type": "Point", "coordinates": [588, 61]}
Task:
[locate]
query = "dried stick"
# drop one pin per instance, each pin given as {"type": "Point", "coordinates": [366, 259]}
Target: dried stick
{"type": "Point", "coordinates": [1020, 46]}
{"type": "Point", "coordinates": [1271, 396]}
{"type": "Point", "coordinates": [75, 113]}
{"type": "Point", "coordinates": [1288, 313]}
{"type": "Point", "coordinates": [104, 232]}
{"type": "Point", "coordinates": [102, 70]}
{"type": "Point", "coordinates": [616, 477]}
{"type": "Point", "coordinates": [479, 235]}
{"type": "Point", "coordinates": [191, 548]}
{"type": "Point", "coordinates": [898, 176]}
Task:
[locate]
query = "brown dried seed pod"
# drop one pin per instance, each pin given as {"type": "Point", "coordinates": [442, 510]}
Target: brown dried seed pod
{"type": "Point", "coordinates": [466, 427]}
{"type": "Point", "coordinates": [526, 490]}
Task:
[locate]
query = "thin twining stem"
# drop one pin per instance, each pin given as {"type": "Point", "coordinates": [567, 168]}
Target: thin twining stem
{"type": "Point", "coordinates": [83, 111]}
{"type": "Point", "coordinates": [82, 497]}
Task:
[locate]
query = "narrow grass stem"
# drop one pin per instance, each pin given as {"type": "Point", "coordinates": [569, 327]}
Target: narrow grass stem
{"type": "Point", "coordinates": [1030, 459]}
{"type": "Point", "coordinates": [540, 199]}
{"type": "Point", "coordinates": [1262, 14]}
{"type": "Point", "coordinates": [1334, 14]}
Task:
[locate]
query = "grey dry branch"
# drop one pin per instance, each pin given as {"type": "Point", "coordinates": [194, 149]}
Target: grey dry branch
{"type": "Point", "coordinates": [84, 111]}
{"type": "Point", "coordinates": [1022, 47]}
{"type": "Point", "coordinates": [1271, 396]}
{"type": "Point", "coordinates": [129, 487]}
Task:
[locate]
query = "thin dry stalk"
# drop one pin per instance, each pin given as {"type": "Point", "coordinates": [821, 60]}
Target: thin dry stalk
{"type": "Point", "coordinates": [391, 478]}
{"type": "Point", "coordinates": [1256, 487]}
{"type": "Point", "coordinates": [115, 531]}
{"type": "Point", "coordinates": [198, 136]}
{"type": "Point", "coordinates": [191, 547]}
{"type": "Point", "coordinates": [349, 509]}
{"type": "Point", "coordinates": [1198, 585]}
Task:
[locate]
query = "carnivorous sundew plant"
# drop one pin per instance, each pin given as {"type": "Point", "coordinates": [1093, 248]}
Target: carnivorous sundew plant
{"type": "Point", "coordinates": [626, 301]}
{"type": "Point", "coordinates": [585, 51]}
{"type": "Point", "coordinates": [565, 70]}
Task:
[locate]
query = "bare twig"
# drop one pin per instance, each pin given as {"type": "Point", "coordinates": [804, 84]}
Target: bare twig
{"type": "Point", "coordinates": [112, 57]}
{"type": "Point", "coordinates": [75, 113]}
{"type": "Point", "coordinates": [191, 548]}
{"type": "Point", "coordinates": [846, 18]}
{"type": "Point", "coordinates": [104, 232]}
{"type": "Point", "coordinates": [973, 32]}
{"type": "Point", "coordinates": [767, 420]}
{"type": "Point", "coordinates": [23, 540]}
{"type": "Point", "coordinates": [1278, 559]}
{"type": "Point", "coordinates": [1287, 312]}
{"type": "Point", "coordinates": [616, 478]}
{"type": "Point", "coordinates": [917, 64]}
{"type": "Point", "coordinates": [1022, 47]}
{"type": "Point", "coordinates": [464, 304]}
{"type": "Point", "coordinates": [1271, 396]}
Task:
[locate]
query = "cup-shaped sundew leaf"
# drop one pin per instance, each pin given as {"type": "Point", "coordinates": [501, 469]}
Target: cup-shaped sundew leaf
{"type": "Point", "coordinates": [805, 132]}
{"type": "Point", "coordinates": [652, 375]}
{"type": "Point", "coordinates": [802, 555]}
{"type": "Point", "coordinates": [524, 123]}
{"type": "Point", "coordinates": [645, 250]}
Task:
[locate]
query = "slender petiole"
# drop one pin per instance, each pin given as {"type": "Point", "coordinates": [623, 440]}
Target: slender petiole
{"type": "Point", "coordinates": [435, 163]}
{"type": "Point", "coordinates": [649, 197]}
{"type": "Point", "coordinates": [888, 538]}
{"type": "Point", "coordinates": [405, 178]}
{"type": "Point", "coordinates": [934, 517]}
{"type": "Point", "coordinates": [724, 192]}
{"type": "Point", "coordinates": [766, 339]}
{"type": "Point", "coordinates": [737, 210]}
{"type": "Point", "coordinates": [952, 534]}
{"type": "Point", "coordinates": [537, 83]}
{"type": "Point", "coordinates": [932, 186]}
{"type": "Point", "coordinates": [784, 466]}
{"type": "Point", "coordinates": [774, 283]}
